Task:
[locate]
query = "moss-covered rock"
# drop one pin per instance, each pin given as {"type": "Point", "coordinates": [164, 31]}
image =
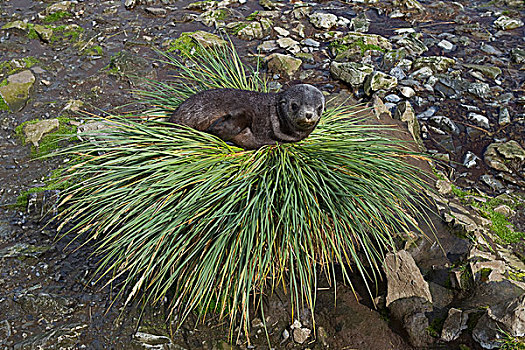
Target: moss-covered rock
{"type": "Point", "coordinates": [16, 92]}
{"type": "Point", "coordinates": [283, 64]}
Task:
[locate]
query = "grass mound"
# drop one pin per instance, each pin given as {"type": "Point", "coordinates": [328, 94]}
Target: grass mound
{"type": "Point", "coordinates": [179, 212]}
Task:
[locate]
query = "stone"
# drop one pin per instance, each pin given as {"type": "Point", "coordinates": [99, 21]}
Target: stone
{"type": "Point", "coordinates": [367, 40]}
{"type": "Point", "coordinates": [406, 91]}
{"type": "Point", "coordinates": [488, 71]}
{"type": "Point", "coordinates": [499, 154]}
{"type": "Point", "coordinates": [486, 333]}
{"type": "Point", "coordinates": [34, 132]}
{"type": "Point", "coordinates": [350, 72]}
{"type": "Point", "coordinates": [205, 39]}
{"type": "Point", "coordinates": [73, 105]}
{"type": "Point", "coordinates": [504, 210]}
{"type": "Point", "coordinates": [413, 45]}
{"type": "Point", "coordinates": [360, 23]}
{"type": "Point", "coordinates": [20, 25]}
{"type": "Point", "coordinates": [479, 120]}
{"type": "Point", "coordinates": [323, 20]}
{"type": "Point", "coordinates": [156, 11]}
{"type": "Point", "coordinates": [281, 31]}
{"type": "Point", "coordinates": [503, 116]}
{"type": "Point", "coordinates": [392, 98]}
{"type": "Point", "coordinates": [392, 57]}
{"type": "Point", "coordinates": [289, 44]}
{"type": "Point", "coordinates": [44, 33]}
{"type": "Point", "coordinates": [421, 74]}
{"type": "Point", "coordinates": [491, 50]}
{"type": "Point", "coordinates": [283, 64]}
{"type": "Point", "coordinates": [455, 323]}
{"type": "Point", "coordinates": [301, 334]}
{"type": "Point", "coordinates": [404, 280]}
{"type": "Point", "coordinates": [446, 45]}
{"type": "Point", "coordinates": [379, 109]}
{"type": "Point", "coordinates": [61, 6]}
{"type": "Point", "coordinates": [492, 182]}
{"type": "Point", "coordinates": [379, 81]}
{"type": "Point", "coordinates": [481, 90]}
{"type": "Point", "coordinates": [64, 336]}
{"type": "Point", "coordinates": [438, 64]}
{"type": "Point", "coordinates": [152, 341]}
{"type": "Point", "coordinates": [409, 4]}
{"type": "Point", "coordinates": [444, 187]}
{"type": "Point", "coordinates": [311, 42]}
{"type": "Point", "coordinates": [507, 23]}
{"type": "Point", "coordinates": [470, 159]}
{"type": "Point", "coordinates": [16, 93]}
{"type": "Point", "coordinates": [517, 55]}
{"type": "Point", "coordinates": [268, 46]}
{"type": "Point", "coordinates": [405, 113]}
{"type": "Point", "coordinates": [445, 124]}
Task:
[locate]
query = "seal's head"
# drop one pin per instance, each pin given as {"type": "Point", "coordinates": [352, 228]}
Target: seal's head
{"type": "Point", "coordinates": [301, 106]}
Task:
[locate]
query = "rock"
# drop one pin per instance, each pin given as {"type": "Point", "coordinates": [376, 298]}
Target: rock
{"type": "Point", "coordinates": [499, 154]}
{"type": "Point", "coordinates": [61, 6]}
{"type": "Point", "coordinates": [323, 20]}
{"type": "Point", "coordinates": [289, 44]}
{"type": "Point", "coordinates": [152, 341]}
{"type": "Point", "coordinates": [517, 55]}
{"type": "Point", "coordinates": [34, 132]}
{"type": "Point", "coordinates": [481, 90]}
{"type": "Point", "coordinates": [283, 64]}
{"type": "Point", "coordinates": [281, 31]}
{"type": "Point", "coordinates": [16, 93]}
{"type": "Point", "coordinates": [392, 98]}
{"type": "Point", "coordinates": [422, 73]}
{"type": "Point", "coordinates": [438, 64]}
{"type": "Point", "coordinates": [20, 25]}
{"type": "Point", "coordinates": [446, 45]}
{"type": "Point", "coordinates": [67, 336]}
{"type": "Point", "coordinates": [444, 187]}
{"type": "Point", "coordinates": [405, 113]}
{"type": "Point", "coordinates": [367, 40]}
{"type": "Point", "coordinates": [73, 105]}
{"type": "Point", "coordinates": [486, 333]}
{"type": "Point", "coordinates": [55, 307]}
{"type": "Point", "coordinates": [406, 91]}
{"type": "Point", "coordinates": [491, 50]}
{"type": "Point", "coordinates": [379, 109]}
{"type": "Point", "coordinates": [413, 45]}
{"type": "Point", "coordinates": [416, 325]}
{"type": "Point", "coordinates": [23, 251]}
{"type": "Point", "coordinates": [251, 30]}
{"type": "Point", "coordinates": [470, 159]}
{"type": "Point", "coordinates": [507, 23]}
{"type": "Point", "coordinates": [156, 11]}
{"type": "Point", "coordinates": [503, 116]}
{"type": "Point", "coordinates": [491, 181]}
{"type": "Point", "coordinates": [392, 57]}
{"type": "Point", "coordinates": [404, 280]}
{"type": "Point", "coordinates": [311, 42]}
{"type": "Point", "coordinates": [350, 72]}
{"type": "Point", "coordinates": [379, 81]}
{"type": "Point", "coordinates": [360, 23]}
{"type": "Point", "coordinates": [44, 33]}
{"type": "Point", "coordinates": [504, 210]}
{"type": "Point", "coordinates": [301, 334]}
{"type": "Point", "coordinates": [455, 323]}
{"type": "Point", "coordinates": [479, 120]}
{"type": "Point", "coordinates": [489, 71]}
{"type": "Point", "coordinates": [445, 124]}
{"type": "Point", "coordinates": [268, 46]}
{"type": "Point", "coordinates": [409, 4]}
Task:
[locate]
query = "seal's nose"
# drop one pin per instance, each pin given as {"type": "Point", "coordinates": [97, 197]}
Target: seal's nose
{"type": "Point", "coordinates": [308, 115]}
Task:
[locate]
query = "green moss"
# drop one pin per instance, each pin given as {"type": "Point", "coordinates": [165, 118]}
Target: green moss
{"type": "Point", "coordinates": [95, 50]}
{"type": "Point", "coordinates": [252, 16]}
{"type": "Point", "coordinates": [235, 30]}
{"type": "Point", "coordinates": [54, 182]}
{"type": "Point", "coordinates": [3, 105]}
{"type": "Point", "coordinates": [31, 32]}
{"type": "Point", "coordinates": [184, 43]}
{"type": "Point", "coordinates": [435, 327]}
{"type": "Point", "coordinates": [338, 47]}
{"type": "Point", "coordinates": [50, 141]}
{"type": "Point", "coordinates": [30, 61]}
{"type": "Point", "coordinates": [70, 32]}
{"type": "Point", "coordinates": [57, 16]}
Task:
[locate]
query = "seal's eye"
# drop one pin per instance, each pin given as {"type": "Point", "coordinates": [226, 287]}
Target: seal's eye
{"type": "Point", "coordinates": [320, 110]}
{"type": "Point", "coordinates": [295, 107]}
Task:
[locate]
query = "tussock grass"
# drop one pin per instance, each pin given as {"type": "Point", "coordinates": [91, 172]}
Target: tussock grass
{"type": "Point", "coordinates": [178, 212]}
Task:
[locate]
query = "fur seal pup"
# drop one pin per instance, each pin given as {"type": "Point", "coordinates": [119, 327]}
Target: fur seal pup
{"type": "Point", "coordinates": [252, 119]}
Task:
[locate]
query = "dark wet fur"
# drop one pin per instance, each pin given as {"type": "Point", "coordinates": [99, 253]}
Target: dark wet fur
{"type": "Point", "coordinates": [253, 119]}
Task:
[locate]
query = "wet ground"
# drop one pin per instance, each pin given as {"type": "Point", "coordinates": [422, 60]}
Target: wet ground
{"type": "Point", "coordinates": [47, 297]}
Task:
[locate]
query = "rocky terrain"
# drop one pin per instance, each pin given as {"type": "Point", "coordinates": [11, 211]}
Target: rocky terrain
{"type": "Point", "coordinates": [452, 73]}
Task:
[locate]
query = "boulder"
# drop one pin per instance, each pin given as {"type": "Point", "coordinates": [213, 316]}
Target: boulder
{"type": "Point", "coordinates": [16, 93]}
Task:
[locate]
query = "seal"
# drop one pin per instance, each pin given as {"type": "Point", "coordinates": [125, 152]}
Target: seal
{"type": "Point", "coordinates": [252, 119]}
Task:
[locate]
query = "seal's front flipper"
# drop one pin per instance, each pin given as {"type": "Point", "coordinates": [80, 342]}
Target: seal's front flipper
{"type": "Point", "coordinates": [230, 125]}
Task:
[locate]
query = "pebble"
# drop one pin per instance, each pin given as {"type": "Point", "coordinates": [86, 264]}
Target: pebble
{"type": "Point", "coordinates": [479, 120]}
{"type": "Point", "coordinates": [446, 45]}
{"type": "Point", "coordinates": [470, 159]}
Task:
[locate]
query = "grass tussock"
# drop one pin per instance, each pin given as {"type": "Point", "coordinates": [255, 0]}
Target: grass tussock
{"type": "Point", "coordinates": [179, 212]}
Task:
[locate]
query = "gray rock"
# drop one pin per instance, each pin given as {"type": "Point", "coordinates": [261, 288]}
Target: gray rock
{"type": "Point", "coordinates": [479, 120]}
{"type": "Point", "coordinates": [445, 124]}
{"type": "Point", "coordinates": [323, 20]}
{"type": "Point", "coordinates": [311, 42]}
{"type": "Point", "coordinates": [283, 64]}
{"type": "Point", "coordinates": [360, 23]}
{"type": "Point", "coordinates": [156, 11]}
{"type": "Point", "coordinates": [517, 55]}
{"type": "Point", "coordinates": [481, 90]}
{"type": "Point", "coordinates": [34, 132]}
{"type": "Point", "coordinates": [268, 46]}
{"type": "Point", "coordinates": [438, 64]}
{"type": "Point", "coordinates": [455, 323]}
{"type": "Point", "coordinates": [289, 45]}
{"type": "Point", "coordinates": [367, 40]}
{"type": "Point", "coordinates": [301, 334]}
{"type": "Point", "coordinates": [20, 25]}
{"type": "Point", "coordinates": [404, 280]}
{"type": "Point", "coordinates": [492, 182]}
{"type": "Point", "coordinates": [44, 33]}
{"type": "Point", "coordinates": [152, 341]}
{"type": "Point", "coordinates": [504, 210]}
{"type": "Point", "coordinates": [379, 81]}
{"type": "Point", "coordinates": [251, 30]}
{"type": "Point", "coordinates": [54, 307]}
{"type": "Point", "coordinates": [507, 23]}
{"type": "Point", "coordinates": [16, 93]}
{"type": "Point", "coordinates": [398, 73]}
{"type": "Point", "coordinates": [503, 116]}
{"type": "Point", "coordinates": [392, 98]}
{"type": "Point", "coordinates": [444, 187]}
{"type": "Point", "coordinates": [64, 6]}
{"type": "Point", "coordinates": [499, 154]}
{"type": "Point", "coordinates": [446, 45]}
{"type": "Point", "coordinates": [407, 91]}
{"type": "Point", "coordinates": [413, 45]}
{"type": "Point", "coordinates": [422, 73]}
{"type": "Point", "coordinates": [65, 336]}
{"type": "Point", "coordinates": [409, 4]}
{"type": "Point", "coordinates": [491, 50]}
{"type": "Point", "coordinates": [405, 113]}
{"type": "Point", "coordinates": [350, 72]}
{"type": "Point", "coordinates": [486, 333]}
{"type": "Point", "coordinates": [281, 31]}
{"type": "Point", "coordinates": [470, 159]}
{"type": "Point", "coordinates": [392, 57]}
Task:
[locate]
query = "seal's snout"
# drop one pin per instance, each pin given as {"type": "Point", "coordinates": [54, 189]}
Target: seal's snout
{"type": "Point", "coordinates": [308, 115]}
